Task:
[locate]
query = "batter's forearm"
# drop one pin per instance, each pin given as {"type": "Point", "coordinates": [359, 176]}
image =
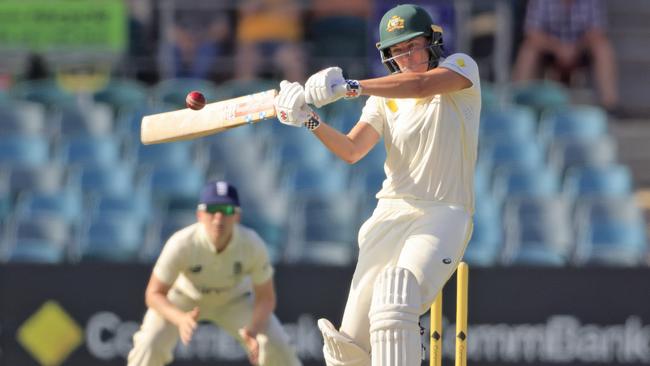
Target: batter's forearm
{"type": "Point", "coordinates": [415, 84]}
{"type": "Point", "coordinates": [338, 143]}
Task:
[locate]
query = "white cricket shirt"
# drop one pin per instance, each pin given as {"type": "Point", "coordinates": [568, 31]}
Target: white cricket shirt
{"type": "Point", "coordinates": [191, 263]}
{"type": "Point", "coordinates": [431, 143]}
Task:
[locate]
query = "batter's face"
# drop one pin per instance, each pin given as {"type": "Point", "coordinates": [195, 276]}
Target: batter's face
{"type": "Point", "coordinates": [218, 225]}
{"type": "Point", "coordinates": [412, 55]}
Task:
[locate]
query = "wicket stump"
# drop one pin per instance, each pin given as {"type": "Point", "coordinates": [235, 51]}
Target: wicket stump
{"type": "Point", "coordinates": [435, 353]}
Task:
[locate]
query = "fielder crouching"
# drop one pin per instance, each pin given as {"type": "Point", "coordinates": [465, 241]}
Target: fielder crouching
{"type": "Point", "coordinates": [427, 112]}
{"type": "Point", "coordinates": [215, 270]}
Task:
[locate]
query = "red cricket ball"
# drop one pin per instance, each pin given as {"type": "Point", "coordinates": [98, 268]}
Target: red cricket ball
{"type": "Point", "coordinates": [195, 100]}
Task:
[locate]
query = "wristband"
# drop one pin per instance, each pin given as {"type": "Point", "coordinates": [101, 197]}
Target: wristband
{"type": "Point", "coordinates": [313, 122]}
{"type": "Point", "coordinates": [353, 89]}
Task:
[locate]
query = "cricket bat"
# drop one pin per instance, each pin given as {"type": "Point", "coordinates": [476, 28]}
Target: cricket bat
{"type": "Point", "coordinates": [185, 124]}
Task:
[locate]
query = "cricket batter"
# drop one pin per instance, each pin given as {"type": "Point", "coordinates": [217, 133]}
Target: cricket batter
{"type": "Point", "coordinates": [215, 270]}
{"type": "Point", "coordinates": [427, 112]}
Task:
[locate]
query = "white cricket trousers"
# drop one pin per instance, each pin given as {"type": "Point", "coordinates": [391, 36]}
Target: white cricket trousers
{"type": "Point", "coordinates": [154, 343]}
{"type": "Point", "coordinates": [427, 238]}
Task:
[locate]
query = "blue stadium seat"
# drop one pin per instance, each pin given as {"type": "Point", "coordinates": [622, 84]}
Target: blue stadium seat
{"type": "Point", "coordinates": [36, 251]}
{"type": "Point", "coordinates": [540, 95]}
{"type": "Point", "coordinates": [511, 122]}
{"type": "Point", "coordinates": [136, 205]}
{"type": "Point", "coordinates": [117, 179]}
{"type": "Point", "coordinates": [105, 150]}
{"type": "Point", "coordinates": [482, 178]}
{"type": "Point", "coordinates": [70, 120]}
{"type": "Point", "coordinates": [42, 239]}
{"type": "Point", "coordinates": [605, 180]}
{"type": "Point", "coordinates": [66, 204]}
{"type": "Point", "coordinates": [539, 231]}
{"type": "Point", "coordinates": [525, 181]}
{"type": "Point", "coordinates": [574, 122]}
{"type": "Point", "coordinates": [567, 153]}
{"type": "Point", "coordinates": [179, 182]}
{"type": "Point", "coordinates": [22, 118]}
{"type": "Point", "coordinates": [611, 231]}
{"type": "Point", "coordinates": [39, 178]}
{"type": "Point", "coordinates": [175, 154]}
{"type": "Point", "coordinates": [321, 180]}
{"type": "Point", "coordinates": [123, 95]}
{"type": "Point", "coordinates": [486, 242]}
{"type": "Point", "coordinates": [23, 150]}
{"type": "Point", "coordinates": [323, 213]}
{"type": "Point", "coordinates": [510, 152]}
{"type": "Point", "coordinates": [113, 239]}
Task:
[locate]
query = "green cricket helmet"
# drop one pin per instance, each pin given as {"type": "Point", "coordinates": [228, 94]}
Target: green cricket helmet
{"type": "Point", "coordinates": [405, 22]}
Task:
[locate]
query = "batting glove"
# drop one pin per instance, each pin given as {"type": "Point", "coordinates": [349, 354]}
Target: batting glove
{"type": "Point", "coordinates": [290, 105]}
{"type": "Point", "coordinates": [328, 85]}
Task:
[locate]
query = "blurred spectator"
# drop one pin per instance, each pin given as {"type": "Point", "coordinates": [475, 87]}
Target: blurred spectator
{"type": "Point", "coordinates": [200, 36]}
{"type": "Point", "coordinates": [270, 29]}
{"type": "Point", "coordinates": [565, 34]}
{"type": "Point", "coordinates": [328, 8]}
{"type": "Point", "coordinates": [337, 32]}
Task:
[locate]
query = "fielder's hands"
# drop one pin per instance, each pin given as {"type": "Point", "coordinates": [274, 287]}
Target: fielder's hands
{"type": "Point", "coordinates": [290, 105]}
{"type": "Point", "coordinates": [252, 345]}
{"type": "Point", "coordinates": [328, 85]}
{"type": "Point", "coordinates": [187, 325]}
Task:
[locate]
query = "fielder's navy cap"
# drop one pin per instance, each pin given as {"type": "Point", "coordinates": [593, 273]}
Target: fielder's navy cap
{"type": "Point", "coordinates": [219, 192]}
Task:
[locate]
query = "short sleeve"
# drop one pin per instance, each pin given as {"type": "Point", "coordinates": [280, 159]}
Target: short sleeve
{"type": "Point", "coordinates": [170, 262]}
{"type": "Point", "coordinates": [261, 268]}
{"type": "Point", "coordinates": [372, 114]}
{"type": "Point", "coordinates": [464, 65]}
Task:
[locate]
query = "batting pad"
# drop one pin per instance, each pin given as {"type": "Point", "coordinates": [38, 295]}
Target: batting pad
{"type": "Point", "coordinates": [339, 349]}
{"type": "Point", "coordinates": [394, 315]}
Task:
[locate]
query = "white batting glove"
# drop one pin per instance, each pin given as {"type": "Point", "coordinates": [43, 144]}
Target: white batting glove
{"type": "Point", "coordinates": [290, 105]}
{"type": "Point", "coordinates": [328, 85]}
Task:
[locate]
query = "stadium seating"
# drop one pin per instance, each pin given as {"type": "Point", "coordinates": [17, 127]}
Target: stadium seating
{"type": "Point", "coordinates": [550, 190]}
{"type": "Point", "coordinates": [540, 95]}
{"type": "Point", "coordinates": [24, 150]}
{"type": "Point", "coordinates": [512, 122]}
{"type": "Point", "coordinates": [604, 180]}
{"type": "Point", "coordinates": [104, 150]}
{"type": "Point", "coordinates": [117, 179]}
{"type": "Point", "coordinates": [573, 122]}
{"type": "Point", "coordinates": [566, 153]}
{"type": "Point", "coordinates": [486, 244]}
{"type": "Point", "coordinates": [538, 231]}
{"type": "Point", "coordinates": [123, 95]}
{"type": "Point", "coordinates": [611, 231]}
{"type": "Point", "coordinates": [66, 204]}
{"type": "Point", "coordinates": [112, 239]}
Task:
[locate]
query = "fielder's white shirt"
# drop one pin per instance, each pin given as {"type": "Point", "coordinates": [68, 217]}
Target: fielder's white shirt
{"type": "Point", "coordinates": [431, 143]}
{"type": "Point", "coordinates": [191, 263]}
